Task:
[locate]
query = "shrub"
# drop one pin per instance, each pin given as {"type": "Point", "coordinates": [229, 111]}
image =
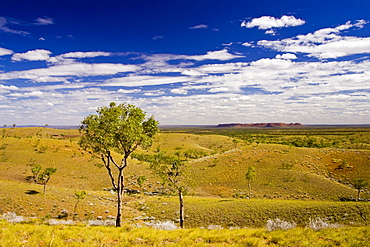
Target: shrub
{"type": "Point", "coordinates": [318, 224]}
{"type": "Point", "coordinates": [12, 217]}
{"type": "Point", "coordinates": [278, 224]}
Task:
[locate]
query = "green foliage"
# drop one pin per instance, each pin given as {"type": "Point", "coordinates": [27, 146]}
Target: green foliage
{"type": "Point", "coordinates": [36, 169]}
{"type": "Point", "coordinates": [287, 165]}
{"type": "Point", "coordinates": [359, 184]}
{"type": "Point", "coordinates": [141, 180]}
{"type": "Point", "coordinates": [194, 154]}
{"type": "Point", "coordinates": [251, 173]}
{"type": "Point", "coordinates": [119, 128]}
{"type": "Point", "coordinates": [80, 194]}
{"type": "Point", "coordinates": [311, 137]}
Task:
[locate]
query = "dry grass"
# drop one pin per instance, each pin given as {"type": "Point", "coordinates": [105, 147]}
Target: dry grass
{"type": "Point", "coordinates": [283, 172]}
{"type": "Point", "coordinates": [43, 235]}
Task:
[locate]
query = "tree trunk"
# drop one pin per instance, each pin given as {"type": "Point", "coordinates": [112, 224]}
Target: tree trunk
{"type": "Point", "coordinates": [120, 189]}
{"type": "Point", "coordinates": [44, 189]}
{"type": "Point", "coordinates": [181, 202]}
{"type": "Point", "coordinates": [358, 195]}
{"type": "Point", "coordinates": [75, 208]}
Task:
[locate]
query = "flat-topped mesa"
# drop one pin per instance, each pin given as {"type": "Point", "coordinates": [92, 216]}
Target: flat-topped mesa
{"type": "Point", "coordinates": [260, 125]}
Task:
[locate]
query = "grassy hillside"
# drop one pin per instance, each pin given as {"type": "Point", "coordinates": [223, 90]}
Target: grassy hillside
{"type": "Point", "coordinates": [216, 169]}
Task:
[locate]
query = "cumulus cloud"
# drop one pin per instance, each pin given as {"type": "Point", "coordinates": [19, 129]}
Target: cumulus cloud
{"type": "Point", "coordinates": [70, 57]}
{"type": "Point", "coordinates": [77, 69]}
{"type": "Point", "coordinates": [135, 81]}
{"type": "Point", "coordinates": [313, 91]}
{"type": "Point", "coordinates": [287, 56]}
{"type": "Point", "coordinates": [324, 43]}
{"type": "Point", "coordinates": [4, 52]}
{"type": "Point", "coordinates": [219, 89]}
{"type": "Point", "coordinates": [268, 22]}
{"type": "Point", "coordinates": [125, 91]}
{"type": "Point", "coordinates": [179, 91]}
{"type": "Point", "coordinates": [221, 55]}
{"type": "Point", "coordinates": [86, 54]}
{"type": "Point", "coordinates": [35, 55]}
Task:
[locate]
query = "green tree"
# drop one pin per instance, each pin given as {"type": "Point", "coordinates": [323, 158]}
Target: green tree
{"type": "Point", "coordinates": [79, 195]}
{"type": "Point", "coordinates": [36, 169]}
{"type": "Point", "coordinates": [236, 142]}
{"type": "Point", "coordinates": [44, 177]}
{"type": "Point", "coordinates": [359, 184]}
{"type": "Point", "coordinates": [250, 175]}
{"type": "Point", "coordinates": [172, 172]}
{"type": "Point", "coordinates": [120, 129]}
{"type": "Point", "coordinates": [140, 181]}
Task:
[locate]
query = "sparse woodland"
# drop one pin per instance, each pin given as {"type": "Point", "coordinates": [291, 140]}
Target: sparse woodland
{"type": "Point", "coordinates": [303, 179]}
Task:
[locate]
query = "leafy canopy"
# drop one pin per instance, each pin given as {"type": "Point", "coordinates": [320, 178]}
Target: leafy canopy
{"type": "Point", "coordinates": [120, 128]}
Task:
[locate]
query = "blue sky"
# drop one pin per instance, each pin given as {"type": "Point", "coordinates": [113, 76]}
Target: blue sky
{"type": "Point", "coordinates": [200, 62]}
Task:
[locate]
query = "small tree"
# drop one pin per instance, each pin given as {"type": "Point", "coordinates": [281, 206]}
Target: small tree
{"type": "Point", "coordinates": [79, 195]}
{"type": "Point", "coordinates": [36, 169]}
{"type": "Point", "coordinates": [44, 177]}
{"type": "Point", "coordinates": [236, 142]}
{"type": "Point", "coordinates": [140, 181]}
{"type": "Point", "coordinates": [250, 175]}
{"type": "Point", "coordinates": [359, 184]}
{"type": "Point", "coordinates": [172, 172]}
{"type": "Point", "coordinates": [121, 129]}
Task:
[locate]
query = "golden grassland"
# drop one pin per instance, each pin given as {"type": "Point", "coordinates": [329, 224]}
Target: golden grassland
{"type": "Point", "coordinates": [292, 183]}
{"type": "Point", "coordinates": [231, 212]}
{"type": "Point", "coordinates": [44, 235]}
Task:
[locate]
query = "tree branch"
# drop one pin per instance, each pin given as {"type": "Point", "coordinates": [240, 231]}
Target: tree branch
{"type": "Point", "coordinates": [107, 165]}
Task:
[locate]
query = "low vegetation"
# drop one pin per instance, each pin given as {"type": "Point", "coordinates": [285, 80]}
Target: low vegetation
{"type": "Point", "coordinates": [320, 193]}
{"type": "Point", "coordinates": [27, 234]}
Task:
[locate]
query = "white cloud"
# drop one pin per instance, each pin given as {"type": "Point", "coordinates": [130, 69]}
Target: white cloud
{"type": "Point", "coordinates": [77, 69]}
{"type": "Point", "coordinates": [135, 81]}
{"type": "Point", "coordinates": [44, 21]}
{"type": "Point", "coordinates": [247, 44]}
{"type": "Point", "coordinates": [70, 57]}
{"type": "Point", "coordinates": [324, 43]}
{"type": "Point", "coordinates": [268, 22]}
{"type": "Point", "coordinates": [179, 91]}
{"type": "Point", "coordinates": [34, 55]}
{"type": "Point", "coordinates": [269, 89]}
{"type": "Point", "coordinates": [201, 26]}
{"type": "Point", "coordinates": [124, 91]}
{"type": "Point", "coordinates": [219, 89]}
{"type": "Point", "coordinates": [287, 56]}
{"type": "Point", "coordinates": [86, 54]}
{"type": "Point", "coordinates": [4, 52]}
{"type": "Point", "coordinates": [221, 55]}
{"type": "Point", "coordinates": [271, 32]}
{"type": "Point", "coordinates": [4, 28]}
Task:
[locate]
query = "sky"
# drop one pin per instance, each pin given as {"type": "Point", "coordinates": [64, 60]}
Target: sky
{"type": "Point", "coordinates": [186, 62]}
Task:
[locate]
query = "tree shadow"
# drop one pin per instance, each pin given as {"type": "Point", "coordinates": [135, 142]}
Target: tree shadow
{"type": "Point", "coordinates": [32, 192]}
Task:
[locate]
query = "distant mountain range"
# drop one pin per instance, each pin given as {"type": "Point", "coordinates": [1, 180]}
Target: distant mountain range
{"type": "Point", "coordinates": [260, 125]}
